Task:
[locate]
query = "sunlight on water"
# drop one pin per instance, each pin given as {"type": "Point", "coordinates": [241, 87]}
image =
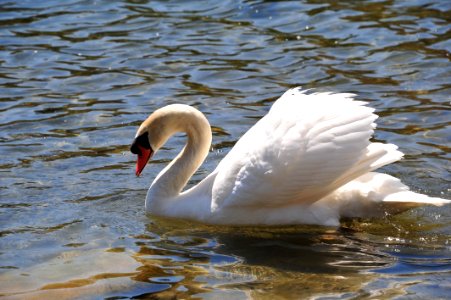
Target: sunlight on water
{"type": "Point", "coordinates": [78, 77]}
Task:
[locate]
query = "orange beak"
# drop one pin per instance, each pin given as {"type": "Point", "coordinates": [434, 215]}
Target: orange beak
{"type": "Point", "coordinates": [143, 157]}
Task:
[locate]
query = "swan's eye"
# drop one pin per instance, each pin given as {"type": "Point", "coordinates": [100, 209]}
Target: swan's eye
{"type": "Point", "coordinates": [143, 141]}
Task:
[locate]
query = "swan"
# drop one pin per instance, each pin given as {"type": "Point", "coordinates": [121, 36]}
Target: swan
{"type": "Point", "coordinates": [309, 160]}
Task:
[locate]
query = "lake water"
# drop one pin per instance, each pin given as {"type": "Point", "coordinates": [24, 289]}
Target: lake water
{"type": "Point", "coordinates": [78, 77]}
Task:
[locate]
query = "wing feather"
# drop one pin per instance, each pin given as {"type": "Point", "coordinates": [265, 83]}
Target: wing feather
{"type": "Point", "coordinates": [303, 149]}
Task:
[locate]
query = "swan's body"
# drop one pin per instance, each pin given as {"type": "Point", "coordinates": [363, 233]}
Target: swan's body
{"type": "Point", "coordinates": [308, 161]}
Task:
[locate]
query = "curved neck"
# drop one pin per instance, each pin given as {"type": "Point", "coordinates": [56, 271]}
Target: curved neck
{"type": "Point", "coordinates": [173, 178]}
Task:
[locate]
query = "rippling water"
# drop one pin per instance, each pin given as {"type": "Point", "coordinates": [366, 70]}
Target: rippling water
{"type": "Point", "coordinates": [78, 77]}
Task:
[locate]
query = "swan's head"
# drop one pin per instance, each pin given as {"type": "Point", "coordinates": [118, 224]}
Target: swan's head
{"type": "Point", "coordinates": [151, 135]}
{"type": "Point", "coordinates": [159, 126]}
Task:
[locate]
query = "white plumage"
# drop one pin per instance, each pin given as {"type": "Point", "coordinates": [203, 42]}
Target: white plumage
{"type": "Point", "coordinates": [309, 160]}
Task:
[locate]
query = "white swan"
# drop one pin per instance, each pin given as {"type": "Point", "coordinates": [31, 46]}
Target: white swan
{"type": "Point", "coordinates": [308, 161]}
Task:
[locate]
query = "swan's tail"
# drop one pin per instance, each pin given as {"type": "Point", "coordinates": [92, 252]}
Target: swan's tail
{"type": "Point", "coordinates": [375, 194]}
{"type": "Point", "coordinates": [401, 201]}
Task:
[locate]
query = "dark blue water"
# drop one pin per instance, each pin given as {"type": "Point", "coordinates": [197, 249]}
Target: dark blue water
{"type": "Point", "coordinates": [78, 77]}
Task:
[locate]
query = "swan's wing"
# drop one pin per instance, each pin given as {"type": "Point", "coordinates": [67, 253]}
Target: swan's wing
{"type": "Point", "coordinates": [304, 148]}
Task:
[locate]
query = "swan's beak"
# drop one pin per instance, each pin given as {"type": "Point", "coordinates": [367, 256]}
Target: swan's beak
{"type": "Point", "coordinates": [143, 158]}
{"type": "Point", "coordinates": [141, 147]}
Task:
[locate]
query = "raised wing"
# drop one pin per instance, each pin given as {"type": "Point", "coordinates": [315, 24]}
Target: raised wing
{"type": "Point", "coordinates": [303, 149]}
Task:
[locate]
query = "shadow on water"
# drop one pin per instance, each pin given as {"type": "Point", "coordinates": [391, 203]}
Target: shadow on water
{"type": "Point", "coordinates": [251, 261]}
{"type": "Point", "coordinates": [297, 260]}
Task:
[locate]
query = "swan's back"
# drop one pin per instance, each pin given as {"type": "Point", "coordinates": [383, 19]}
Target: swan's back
{"type": "Point", "coordinates": [307, 146]}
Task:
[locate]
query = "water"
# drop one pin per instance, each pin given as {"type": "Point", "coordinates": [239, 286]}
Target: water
{"type": "Point", "coordinates": [78, 77]}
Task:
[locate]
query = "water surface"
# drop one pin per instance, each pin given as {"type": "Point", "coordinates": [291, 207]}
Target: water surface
{"type": "Point", "coordinates": [78, 77]}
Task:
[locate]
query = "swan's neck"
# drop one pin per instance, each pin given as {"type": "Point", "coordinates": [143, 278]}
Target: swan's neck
{"type": "Point", "coordinates": [173, 178]}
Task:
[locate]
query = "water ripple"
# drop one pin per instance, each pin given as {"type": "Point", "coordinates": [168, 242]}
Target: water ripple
{"type": "Point", "coordinates": [77, 77]}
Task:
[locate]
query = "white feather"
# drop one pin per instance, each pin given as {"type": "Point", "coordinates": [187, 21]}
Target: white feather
{"type": "Point", "coordinates": [298, 150]}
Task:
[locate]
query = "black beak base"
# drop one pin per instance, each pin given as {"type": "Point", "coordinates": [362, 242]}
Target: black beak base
{"type": "Point", "coordinates": [143, 141]}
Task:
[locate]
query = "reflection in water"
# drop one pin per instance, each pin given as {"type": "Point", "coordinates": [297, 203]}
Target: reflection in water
{"type": "Point", "coordinates": [178, 258]}
{"type": "Point", "coordinates": [180, 261]}
{"type": "Point", "coordinates": [76, 78]}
